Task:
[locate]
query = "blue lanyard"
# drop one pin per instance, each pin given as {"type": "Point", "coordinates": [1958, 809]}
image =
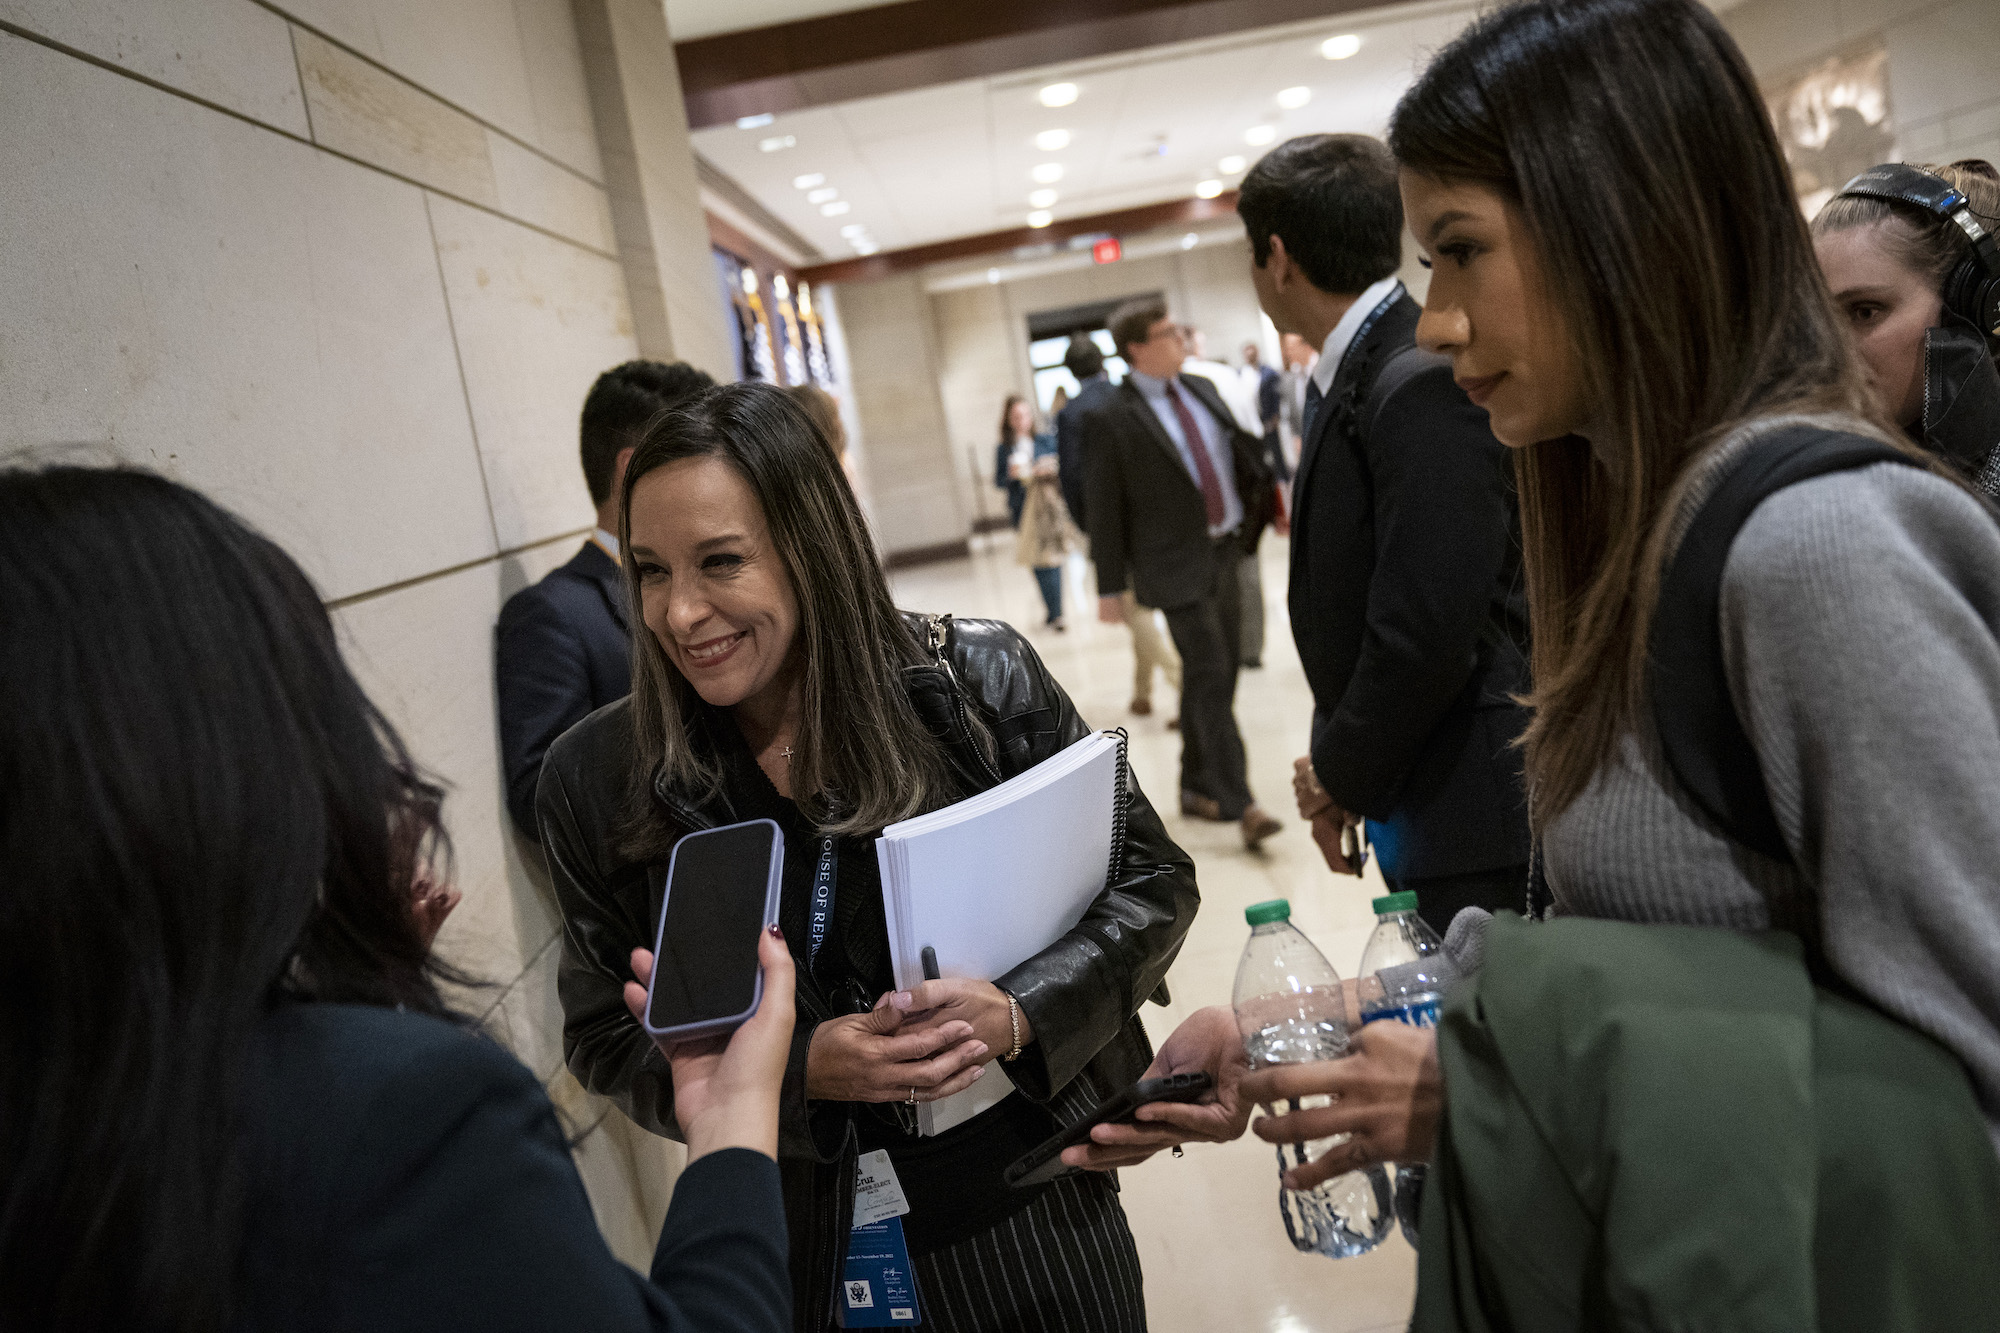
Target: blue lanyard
{"type": "Point", "coordinates": [1361, 333]}
{"type": "Point", "coordinates": [822, 899]}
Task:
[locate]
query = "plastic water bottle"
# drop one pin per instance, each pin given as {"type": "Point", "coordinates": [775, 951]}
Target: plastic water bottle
{"type": "Point", "coordinates": [1290, 1011]}
{"type": "Point", "coordinates": [1411, 991]}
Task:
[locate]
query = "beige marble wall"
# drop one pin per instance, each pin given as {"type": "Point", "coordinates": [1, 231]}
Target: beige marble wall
{"type": "Point", "coordinates": [906, 448]}
{"type": "Point", "coordinates": [1942, 54]}
{"type": "Point", "coordinates": [349, 267]}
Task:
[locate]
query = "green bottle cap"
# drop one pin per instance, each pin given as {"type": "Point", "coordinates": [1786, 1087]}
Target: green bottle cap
{"type": "Point", "coordinates": [1263, 914]}
{"type": "Point", "coordinates": [1406, 901]}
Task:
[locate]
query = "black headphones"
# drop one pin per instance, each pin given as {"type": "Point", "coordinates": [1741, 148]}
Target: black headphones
{"type": "Point", "coordinates": [1973, 287]}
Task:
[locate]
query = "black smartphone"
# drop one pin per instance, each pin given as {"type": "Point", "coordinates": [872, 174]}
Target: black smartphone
{"type": "Point", "coordinates": [1045, 1162]}
{"type": "Point", "coordinates": [722, 892]}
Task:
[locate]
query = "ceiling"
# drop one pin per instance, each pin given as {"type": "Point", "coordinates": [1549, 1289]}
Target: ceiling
{"type": "Point", "coordinates": [1147, 126]}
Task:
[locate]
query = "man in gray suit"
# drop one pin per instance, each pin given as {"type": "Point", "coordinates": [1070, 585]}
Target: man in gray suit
{"type": "Point", "coordinates": [1176, 492]}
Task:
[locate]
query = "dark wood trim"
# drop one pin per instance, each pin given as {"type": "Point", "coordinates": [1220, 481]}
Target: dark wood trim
{"type": "Point", "coordinates": [991, 523]}
{"type": "Point", "coordinates": [928, 555]}
{"type": "Point", "coordinates": [744, 246]}
{"type": "Point", "coordinates": [1123, 222]}
{"type": "Point", "coordinates": [920, 43]}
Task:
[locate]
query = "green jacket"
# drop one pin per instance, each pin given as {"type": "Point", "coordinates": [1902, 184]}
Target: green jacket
{"type": "Point", "coordinates": [1672, 1128]}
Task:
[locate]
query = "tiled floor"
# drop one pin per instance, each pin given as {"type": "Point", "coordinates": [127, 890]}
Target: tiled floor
{"type": "Point", "coordinates": [1215, 1253]}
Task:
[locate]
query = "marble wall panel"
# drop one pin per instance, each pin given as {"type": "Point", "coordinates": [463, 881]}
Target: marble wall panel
{"type": "Point", "coordinates": [605, 1162]}
{"type": "Point", "coordinates": [424, 653]}
{"type": "Point", "coordinates": [563, 126]}
{"type": "Point", "coordinates": [978, 366]}
{"type": "Point", "coordinates": [534, 189]}
{"type": "Point", "coordinates": [349, 22]}
{"type": "Point", "coordinates": [1942, 62]}
{"type": "Point", "coordinates": [528, 1017]}
{"type": "Point", "coordinates": [537, 321]}
{"type": "Point", "coordinates": [909, 457]}
{"type": "Point", "coordinates": [368, 113]}
{"type": "Point", "coordinates": [229, 52]}
{"type": "Point", "coordinates": [238, 310]}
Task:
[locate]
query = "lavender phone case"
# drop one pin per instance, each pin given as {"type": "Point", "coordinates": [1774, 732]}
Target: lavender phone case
{"type": "Point", "coordinates": [716, 1026]}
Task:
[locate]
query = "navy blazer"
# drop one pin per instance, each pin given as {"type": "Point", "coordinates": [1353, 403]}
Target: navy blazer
{"type": "Point", "coordinates": [562, 652]}
{"type": "Point", "coordinates": [1409, 611]}
{"type": "Point", "coordinates": [406, 1173]}
{"type": "Point", "coordinates": [1069, 442]}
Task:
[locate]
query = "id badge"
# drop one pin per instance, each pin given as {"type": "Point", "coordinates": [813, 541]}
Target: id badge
{"type": "Point", "coordinates": [878, 1288]}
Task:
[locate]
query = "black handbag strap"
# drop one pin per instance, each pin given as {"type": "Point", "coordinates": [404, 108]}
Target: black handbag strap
{"type": "Point", "coordinates": [1706, 745]}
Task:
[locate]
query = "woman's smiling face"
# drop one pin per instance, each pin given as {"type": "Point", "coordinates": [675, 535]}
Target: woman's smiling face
{"type": "Point", "coordinates": [1490, 310]}
{"type": "Point", "coordinates": [712, 586]}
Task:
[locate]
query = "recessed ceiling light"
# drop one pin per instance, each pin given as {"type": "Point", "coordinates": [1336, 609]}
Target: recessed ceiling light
{"type": "Point", "coordinates": [754, 122]}
{"type": "Point", "coordinates": [1341, 47]}
{"type": "Point", "coordinates": [1042, 198]}
{"type": "Point", "coordinates": [821, 196]}
{"type": "Point", "coordinates": [993, 275]}
{"type": "Point", "coordinates": [777, 142]}
{"type": "Point", "coordinates": [812, 180]}
{"type": "Point", "coordinates": [1052, 141]}
{"type": "Point", "coordinates": [835, 209]}
{"type": "Point", "coordinates": [1047, 173]}
{"type": "Point", "coordinates": [1190, 241]}
{"type": "Point", "coordinates": [1293, 98]}
{"type": "Point", "coordinates": [853, 229]}
{"type": "Point", "coordinates": [1208, 189]}
{"type": "Point", "coordinates": [1041, 217]}
{"type": "Point", "coordinates": [1229, 166]}
{"type": "Point", "coordinates": [1058, 94]}
{"type": "Point", "coordinates": [1259, 135]}
{"type": "Point", "coordinates": [865, 247]}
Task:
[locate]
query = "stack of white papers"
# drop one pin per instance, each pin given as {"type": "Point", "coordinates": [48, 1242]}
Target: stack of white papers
{"type": "Point", "coordinates": [994, 880]}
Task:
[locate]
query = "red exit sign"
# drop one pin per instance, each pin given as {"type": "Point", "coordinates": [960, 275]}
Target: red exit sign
{"type": "Point", "coordinates": [1107, 251]}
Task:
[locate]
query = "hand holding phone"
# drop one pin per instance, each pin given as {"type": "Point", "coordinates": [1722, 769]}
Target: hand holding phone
{"type": "Point", "coordinates": [1208, 1042]}
{"type": "Point", "coordinates": [727, 1088]}
{"type": "Point", "coordinates": [721, 896]}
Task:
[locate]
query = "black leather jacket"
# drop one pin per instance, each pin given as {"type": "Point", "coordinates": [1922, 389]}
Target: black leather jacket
{"type": "Point", "coordinates": [1081, 994]}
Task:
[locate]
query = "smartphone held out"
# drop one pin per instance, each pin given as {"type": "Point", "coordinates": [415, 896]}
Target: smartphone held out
{"type": "Point", "coordinates": [721, 894]}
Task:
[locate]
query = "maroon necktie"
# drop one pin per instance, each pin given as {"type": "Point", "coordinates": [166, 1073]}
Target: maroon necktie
{"type": "Point", "coordinates": [1211, 486]}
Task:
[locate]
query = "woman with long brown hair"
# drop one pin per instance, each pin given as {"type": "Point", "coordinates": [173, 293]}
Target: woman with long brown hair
{"type": "Point", "coordinates": [1622, 278]}
{"type": "Point", "coordinates": [774, 678]}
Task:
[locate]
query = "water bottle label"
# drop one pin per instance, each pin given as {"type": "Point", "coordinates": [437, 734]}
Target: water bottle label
{"type": "Point", "coordinates": [1420, 1011]}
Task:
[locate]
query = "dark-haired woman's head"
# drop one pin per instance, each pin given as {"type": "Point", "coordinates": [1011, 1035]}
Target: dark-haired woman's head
{"type": "Point", "coordinates": [201, 815]}
{"type": "Point", "coordinates": [760, 594]}
{"type": "Point", "coordinates": [1017, 418]}
{"type": "Point", "coordinates": [1619, 272]}
{"type": "Point", "coordinates": [1886, 263]}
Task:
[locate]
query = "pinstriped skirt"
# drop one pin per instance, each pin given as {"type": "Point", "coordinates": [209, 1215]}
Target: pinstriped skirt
{"type": "Point", "coordinates": [1063, 1264]}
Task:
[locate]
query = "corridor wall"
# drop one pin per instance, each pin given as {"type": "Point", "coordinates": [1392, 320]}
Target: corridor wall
{"type": "Point", "coordinates": [1942, 53]}
{"type": "Point", "coordinates": [348, 266]}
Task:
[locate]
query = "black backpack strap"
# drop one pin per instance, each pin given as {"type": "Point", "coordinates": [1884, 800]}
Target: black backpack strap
{"type": "Point", "coordinates": [1706, 745]}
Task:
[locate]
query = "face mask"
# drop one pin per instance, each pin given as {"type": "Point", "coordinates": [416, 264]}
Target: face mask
{"type": "Point", "coordinates": [1961, 394]}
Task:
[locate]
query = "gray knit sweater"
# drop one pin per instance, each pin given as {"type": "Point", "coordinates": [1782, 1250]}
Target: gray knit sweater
{"type": "Point", "coordinates": [1861, 636]}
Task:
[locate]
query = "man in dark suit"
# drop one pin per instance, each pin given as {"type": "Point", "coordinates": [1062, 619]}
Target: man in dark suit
{"type": "Point", "coordinates": [1406, 595]}
{"type": "Point", "coordinates": [1176, 492]}
{"type": "Point", "coordinates": [563, 648]}
{"type": "Point", "coordinates": [1086, 364]}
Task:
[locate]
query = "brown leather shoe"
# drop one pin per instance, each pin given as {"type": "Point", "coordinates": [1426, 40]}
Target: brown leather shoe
{"type": "Point", "coordinates": [1142, 707]}
{"type": "Point", "coordinates": [1196, 806]}
{"type": "Point", "coordinates": [1257, 826]}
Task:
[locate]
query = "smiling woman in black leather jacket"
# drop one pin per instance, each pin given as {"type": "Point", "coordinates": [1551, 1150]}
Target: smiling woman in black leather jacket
{"type": "Point", "coordinates": [774, 678]}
